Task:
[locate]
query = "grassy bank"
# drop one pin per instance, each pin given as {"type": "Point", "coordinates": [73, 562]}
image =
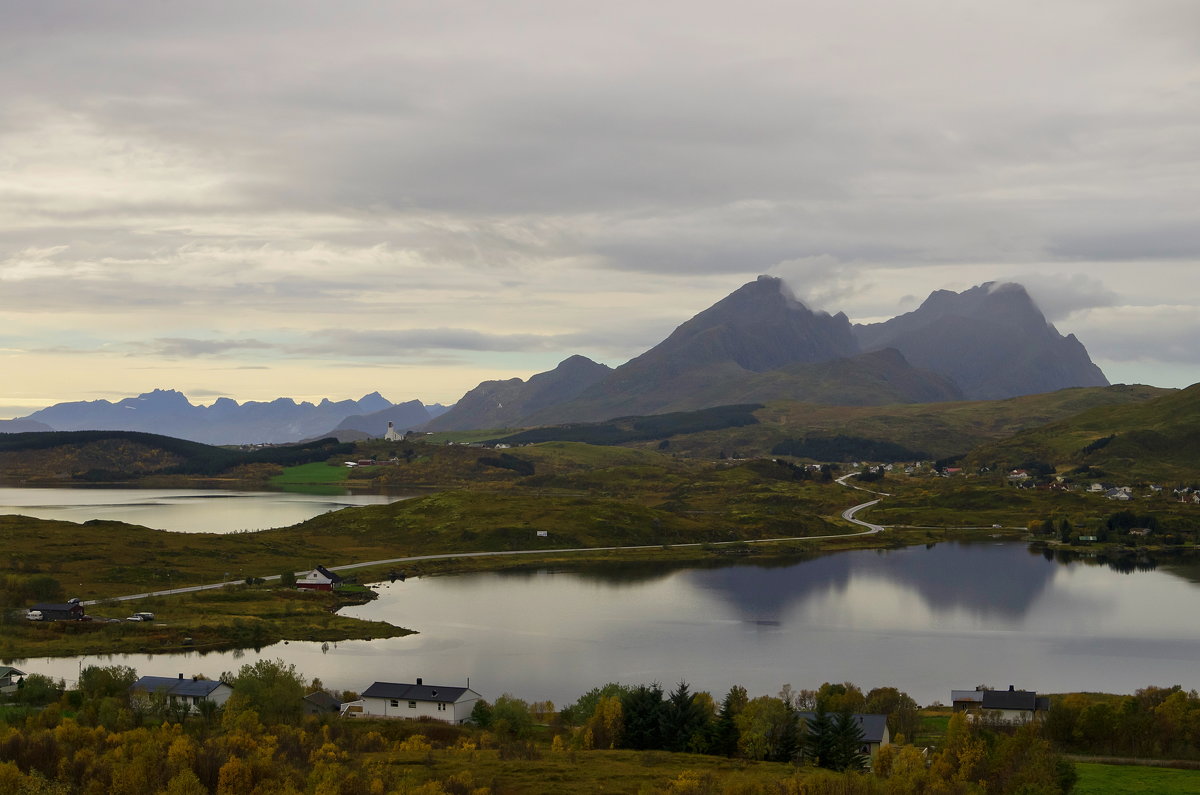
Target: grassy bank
{"type": "Point", "coordinates": [1100, 779]}
{"type": "Point", "coordinates": [228, 618]}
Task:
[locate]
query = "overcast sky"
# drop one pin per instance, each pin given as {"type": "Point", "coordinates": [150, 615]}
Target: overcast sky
{"type": "Point", "coordinates": [315, 199]}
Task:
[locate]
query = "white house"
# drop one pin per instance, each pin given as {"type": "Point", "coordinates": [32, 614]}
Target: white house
{"type": "Point", "coordinates": [1002, 706]}
{"type": "Point", "coordinates": [10, 679]}
{"type": "Point", "coordinates": [319, 579]}
{"type": "Point", "coordinates": [179, 691]}
{"type": "Point", "coordinates": [397, 700]}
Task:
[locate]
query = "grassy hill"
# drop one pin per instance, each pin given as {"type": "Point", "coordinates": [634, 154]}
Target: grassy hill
{"type": "Point", "coordinates": [124, 455]}
{"type": "Point", "coordinates": [1157, 439]}
{"type": "Point", "coordinates": [937, 429]}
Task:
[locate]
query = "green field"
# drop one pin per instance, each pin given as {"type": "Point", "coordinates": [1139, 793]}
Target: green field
{"type": "Point", "coordinates": [1097, 779]}
{"type": "Point", "coordinates": [306, 474]}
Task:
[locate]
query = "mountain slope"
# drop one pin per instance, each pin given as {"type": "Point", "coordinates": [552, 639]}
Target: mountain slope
{"type": "Point", "coordinates": [1155, 439]}
{"type": "Point", "coordinates": [500, 404]}
{"type": "Point", "coordinates": [940, 429]}
{"type": "Point", "coordinates": [403, 416]}
{"type": "Point", "coordinates": [23, 425]}
{"type": "Point", "coordinates": [992, 340]}
{"type": "Point", "coordinates": [758, 328]}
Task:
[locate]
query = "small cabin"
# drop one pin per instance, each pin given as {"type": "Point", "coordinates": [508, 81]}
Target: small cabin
{"type": "Point", "coordinates": [71, 610]}
{"type": "Point", "coordinates": [319, 579]}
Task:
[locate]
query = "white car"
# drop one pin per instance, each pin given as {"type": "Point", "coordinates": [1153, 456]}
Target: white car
{"type": "Point", "coordinates": [35, 615]}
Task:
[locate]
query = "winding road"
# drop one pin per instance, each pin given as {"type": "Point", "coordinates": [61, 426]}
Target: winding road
{"type": "Point", "coordinates": [848, 515]}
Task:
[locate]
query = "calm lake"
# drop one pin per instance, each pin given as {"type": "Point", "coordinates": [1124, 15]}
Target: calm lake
{"type": "Point", "coordinates": [182, 510]}
{"type": "Point", "coordinates": [923, 619]}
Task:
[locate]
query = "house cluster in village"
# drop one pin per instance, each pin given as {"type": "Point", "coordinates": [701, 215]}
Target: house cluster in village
{"type": "Point", "coordinates": [419, 701]}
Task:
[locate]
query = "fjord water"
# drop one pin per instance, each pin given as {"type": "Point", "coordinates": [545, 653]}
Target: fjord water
{"type": "Point", "coordinates": [182, 510]}
{"type": "Point", "coordinates": [923, 619]}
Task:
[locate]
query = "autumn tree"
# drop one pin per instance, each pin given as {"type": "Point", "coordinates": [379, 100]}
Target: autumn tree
{"type": "Point", "coordinates": [272, 688]}
{"type": "Point", "coordinates": [767, 730]}
{"type": "Point", "coordinates": [101, 681]}
{"type": "Point", "coordinates": [903, 715]}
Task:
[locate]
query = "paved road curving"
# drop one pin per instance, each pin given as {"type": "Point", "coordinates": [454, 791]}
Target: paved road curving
{"type": "Point", "coordinates": [847, 514]}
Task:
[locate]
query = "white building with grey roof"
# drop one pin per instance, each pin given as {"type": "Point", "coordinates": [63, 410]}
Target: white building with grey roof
{"type": "Point", "coordinates": [179, 691]}
{"type": "Point", "coordinates": [414, 701]}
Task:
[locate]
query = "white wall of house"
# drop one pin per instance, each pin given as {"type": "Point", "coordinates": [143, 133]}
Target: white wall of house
{"type": "Point", "coordinates": [451, 712]}
{"type": "Point", "coordinates": [218, 696]}
{"type": "Point", "coordinates": [315, 579]}
{"type": "Point", "coordinates": [1010, 715]}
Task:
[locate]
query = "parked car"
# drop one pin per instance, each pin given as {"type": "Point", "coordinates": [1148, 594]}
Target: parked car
{"type": "Point", "coordinates": [35, 615]}
{"type": "Point", "coordinates": [145, 616]}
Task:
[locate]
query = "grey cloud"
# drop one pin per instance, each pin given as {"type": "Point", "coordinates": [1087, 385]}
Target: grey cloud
{"type": "Point", "coordinates": [1151, 240]}
{"type": "Point", "coordinates": [1061, 296]}
{"type": "Point", "coordinates": [569, 149]}
{"type": "Point", "coordinates": [183, 347]}
{"type": "Point", "coordinates": [405, 341]}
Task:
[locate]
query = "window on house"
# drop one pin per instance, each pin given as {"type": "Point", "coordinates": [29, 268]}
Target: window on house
{"type": "Point", "coordinates": [395, 702]}
{"type": "Point", "coordinates": [412, 705]}
{"type": "Point", "coordinates": [441, 706]}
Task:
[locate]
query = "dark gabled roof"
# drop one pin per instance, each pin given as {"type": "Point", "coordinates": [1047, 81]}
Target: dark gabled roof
{"type": "Point", "coordinates": [873, 726]}
{"type": "Point", "coordinates": [327, 573]}
{"type": "Point", "coordinates": [401, 691]}
{"type": "Point", "coordinates": [8, 670]}
{"type": "Point", "coordinates": [176, 687]}
{"type": "Point", "coordinates": [323, 700]}
{"type": "Point", "coordinates": [1009, 699]}
{"type": "Point", "coordinates": [66, 607]}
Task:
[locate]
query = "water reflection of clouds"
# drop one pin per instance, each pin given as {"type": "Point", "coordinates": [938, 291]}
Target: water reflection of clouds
{"type": "Point", "coordinates": [988, 581]}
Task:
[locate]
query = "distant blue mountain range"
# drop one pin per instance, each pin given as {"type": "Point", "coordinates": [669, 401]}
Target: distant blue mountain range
{"type": "Point", "coordinates": [169, 412]}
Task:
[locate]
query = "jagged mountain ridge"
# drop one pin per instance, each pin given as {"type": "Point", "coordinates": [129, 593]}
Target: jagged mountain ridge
{"type": "Point", "coordinates": [760, 343]}
{"type": "Point", "coordinates": [992, 340]}
{"type": "Point", "coordinates": [169, 412]}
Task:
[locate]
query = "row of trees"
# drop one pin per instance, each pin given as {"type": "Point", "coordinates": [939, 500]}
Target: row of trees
{"type": "Point", "coordinates": [644, 717]}
{"type": "Point", "coordinates": [260, 742]}
{"type": "Point", "coordinates": [1155, 722]}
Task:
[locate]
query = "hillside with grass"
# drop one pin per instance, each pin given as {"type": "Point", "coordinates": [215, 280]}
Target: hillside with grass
{"type": "Point", "coordinates": [938, 430]}
{"type": "Point", "coordinates": [1153, 440]}
{"type": "Point", "coordinates": [125, 455]}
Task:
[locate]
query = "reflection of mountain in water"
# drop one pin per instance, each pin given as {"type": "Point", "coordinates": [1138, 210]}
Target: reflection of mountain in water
{"type": "Point", "coordinates": [988, 579]}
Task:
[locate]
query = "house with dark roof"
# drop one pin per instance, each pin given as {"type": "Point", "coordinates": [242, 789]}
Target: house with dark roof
{"type": "Point", "coordinates": [179, 691]}
{"type": "Point", "coordinates": [319, 579]}
{"type": "Point", "coordinates": [874, 728]}
{"type": "Point", "coordinates": [71, 610]}
{"type": "Point", "coordinates": [1010, 706]}
{"type": "Point", "coordinates": [10, 679]}
{"type": "Point", "coordinates": [321, 703]}
{"type": "Point", "coordinates": [398, 700]}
